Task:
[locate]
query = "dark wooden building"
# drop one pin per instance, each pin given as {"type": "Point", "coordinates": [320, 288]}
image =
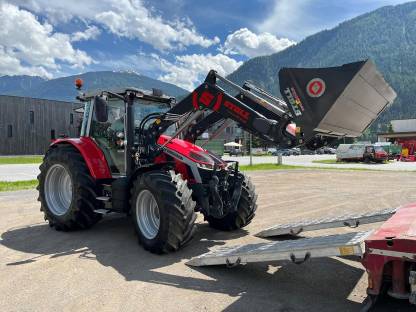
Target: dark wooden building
{"type": "Point", "coordinates": [27, 125]}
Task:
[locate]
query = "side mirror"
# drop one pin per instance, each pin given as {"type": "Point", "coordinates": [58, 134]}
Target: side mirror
{"type": "Point", "coordinates": [100, 108]}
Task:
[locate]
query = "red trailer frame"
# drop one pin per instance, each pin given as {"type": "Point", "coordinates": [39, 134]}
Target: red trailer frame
{"type": "Point", "coordinates": [390, 256]}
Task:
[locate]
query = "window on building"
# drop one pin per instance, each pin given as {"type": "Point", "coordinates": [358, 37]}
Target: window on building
{"type": "Point", "coordinates": [31, 117]}
{"type": "Point", "coordinates": [9, 131]}
{"type": "Point", "coordinates": [53, 134]}
{"type": "Point", "coordinates": [71, 119]}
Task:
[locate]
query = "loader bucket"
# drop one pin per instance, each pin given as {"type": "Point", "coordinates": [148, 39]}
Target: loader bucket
{"type": "Point", "coordinates": [335, 101]}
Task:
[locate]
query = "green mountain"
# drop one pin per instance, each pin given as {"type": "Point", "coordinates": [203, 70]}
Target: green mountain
{"type": "Point", "coordinates": [387, 36]}
{"type": "Point", "coordinates": [18, 84]}
{"type": "Point", "coordinates": [63, 88]}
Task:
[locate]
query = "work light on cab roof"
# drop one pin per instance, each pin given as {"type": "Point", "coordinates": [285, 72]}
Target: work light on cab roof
{"type": "Point", "coordinates": [78, 83]}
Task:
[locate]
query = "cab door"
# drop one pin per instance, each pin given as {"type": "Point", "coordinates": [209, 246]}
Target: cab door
{"type": "Point", "coordinates": [109, 136]}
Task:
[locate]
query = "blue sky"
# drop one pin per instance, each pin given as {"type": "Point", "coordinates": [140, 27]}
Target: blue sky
{"type": "Point", "coordinates": [176, 41]}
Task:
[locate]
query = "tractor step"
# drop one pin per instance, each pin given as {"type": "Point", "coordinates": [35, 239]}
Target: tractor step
{"type": "Point", "coordinates": [297, 251]}
{"type": "Point", "coordinates": [348, 220]}
{"type": "Point", "coordinates": [102, 211]}
{"type": "Point", "coordinates": [103, 198]}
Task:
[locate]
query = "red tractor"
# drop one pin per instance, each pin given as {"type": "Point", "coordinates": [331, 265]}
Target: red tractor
{"type": "Point", "coordinates": [136, 153]}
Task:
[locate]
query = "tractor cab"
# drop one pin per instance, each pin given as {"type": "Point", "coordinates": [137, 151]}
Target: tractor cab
{"type": "Point", "coordinates": [105, 120]}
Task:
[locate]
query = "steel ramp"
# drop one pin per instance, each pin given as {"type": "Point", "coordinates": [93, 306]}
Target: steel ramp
{"type": "Point", "coordinates": [349, 220]}
{"type": "Point", "coordinates": [296, 251]}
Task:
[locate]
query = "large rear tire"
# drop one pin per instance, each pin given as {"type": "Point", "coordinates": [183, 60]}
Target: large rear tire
{"type": "Point", "coordinates": [67, 192]}
{"type": "Point", "coordinates": [244, 213]}
{"type": "Point", "coordinates": [163, 211]}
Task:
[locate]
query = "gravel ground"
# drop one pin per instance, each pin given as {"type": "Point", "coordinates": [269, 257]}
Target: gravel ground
{"type": "Point", "coordinates": [103, 269]}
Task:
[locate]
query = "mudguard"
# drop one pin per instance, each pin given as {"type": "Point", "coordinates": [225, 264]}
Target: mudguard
{"type": "Point", "coordinates": [92, 154]}
{"type": "Point", "coordinates": [335, 101]}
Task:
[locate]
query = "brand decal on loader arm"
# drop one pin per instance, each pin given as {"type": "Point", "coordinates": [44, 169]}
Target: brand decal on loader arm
{"type": "Point", "coordinates": [316, 87]}
{"type": "Point", "coordinates": [206, 98]}
{"type": "Point", "coordinates": [241, 113]}
{"type": "Point", "coordinates": [294, 101]}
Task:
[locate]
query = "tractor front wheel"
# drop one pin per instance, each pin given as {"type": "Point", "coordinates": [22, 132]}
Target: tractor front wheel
{"type": "Point", "coordinates": [163, 211]}
{"type": "Point", "coordinates": [67, 192]}
{"type": "Point", "coordinates": [244, 212]}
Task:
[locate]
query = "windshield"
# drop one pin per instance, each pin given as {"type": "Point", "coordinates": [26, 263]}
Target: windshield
{"type": "Point", "coordinates": [378, 148]}
{"type": "Point", "coordinates": [142, 108]}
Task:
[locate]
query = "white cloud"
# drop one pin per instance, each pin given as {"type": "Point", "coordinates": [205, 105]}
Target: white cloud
{"type": "Point", "coordinates": [125, 18]}
{"type": "Point", "coordinates": [245, 42]}
{"type": "Point", "coordinates": [142, 63]}
{"type": "Point", "coordinates": [189, 70]}
{"type": "Point", "coordinates": [10, 65]}
{"type": "Point", "coordinates": [292, 18]}
{"type": "Point", "coordinates": [92, 32]}
{"type": "Point", "coordinates": [33, 48]}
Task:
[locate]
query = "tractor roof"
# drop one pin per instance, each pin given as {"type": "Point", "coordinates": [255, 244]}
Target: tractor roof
{"type": "Point", "coordinates": [155, 94]}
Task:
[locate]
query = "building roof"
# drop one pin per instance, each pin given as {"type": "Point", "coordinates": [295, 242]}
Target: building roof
{"type": "Point", "coordinates": [404, 125]}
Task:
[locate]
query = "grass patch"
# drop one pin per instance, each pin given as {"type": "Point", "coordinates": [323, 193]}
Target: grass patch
{"type": "Point", "coordinates": [268, 167]}
{"type": "Point", "coordinates": [17, 185]}
{"type": "Point", "coordinates": [328, 161]}
{"type": "Point", "coordinates": [14, 160]}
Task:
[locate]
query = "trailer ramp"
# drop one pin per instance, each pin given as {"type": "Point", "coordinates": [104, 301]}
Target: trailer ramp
{"type": "Point", "coordinates": [297, 251]}
{"type": "Point", "coordinates": [346, 220]}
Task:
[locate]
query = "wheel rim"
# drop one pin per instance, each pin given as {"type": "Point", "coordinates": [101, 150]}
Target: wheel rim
{"type": "Point", "coordinates": [58, 190]}
{"type": "Point", "coordinates": [147, 214]}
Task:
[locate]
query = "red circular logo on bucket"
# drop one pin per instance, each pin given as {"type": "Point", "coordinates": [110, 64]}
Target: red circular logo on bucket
{"type": "Point", "coordinates": [316, 87]}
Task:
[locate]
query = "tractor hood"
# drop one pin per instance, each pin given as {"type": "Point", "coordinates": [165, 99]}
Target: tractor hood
{"type": "Point", "coordinates": [195, 153]}
{"type": "Point", "coordinates": [335, 101]}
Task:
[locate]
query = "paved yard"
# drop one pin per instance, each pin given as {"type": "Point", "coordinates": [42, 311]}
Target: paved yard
{"type": "Point", "coordinates": [307, 161]}
{"type": "Point", "coordinates": [103, 269]}
{"type": "Point", "coordinates": [19, 172]}
{"type": "Point", "coordinates": [30, 171]}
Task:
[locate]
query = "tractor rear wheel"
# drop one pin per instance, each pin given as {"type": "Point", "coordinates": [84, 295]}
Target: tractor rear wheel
{"type": "Point", "coordinates": [163, 211]}
{"type": "Point", "coordinates": [244, 212]}
{"type": "Point", "coordinates": [67, 192]}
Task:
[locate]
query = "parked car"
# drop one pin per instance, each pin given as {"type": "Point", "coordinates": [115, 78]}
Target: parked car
{"type": "Point", "coordinates": [320, 151]}
{"type": "Point", "coordinates": [271, 150]}
{"type": "Point", "coordinates": [361, 152]}
{"type": "Point", "coordinates": [236, 152]}
{"type": "Point", "coordinates": [393, 150]}
{"type": "Point", "coordinates": [295, 151]}
{"type": "Point", "coordinates": [325, 150]}
{"type": "Point", "coordinates": [330, 150]}
{"type": "Point", "coordinates": [284, 152]}
{"type": "Point", "coordinates": [306, 151]}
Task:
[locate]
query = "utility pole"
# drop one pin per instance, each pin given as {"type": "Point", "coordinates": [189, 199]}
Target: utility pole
{"type": "Point", "coordinates": [251, 156]}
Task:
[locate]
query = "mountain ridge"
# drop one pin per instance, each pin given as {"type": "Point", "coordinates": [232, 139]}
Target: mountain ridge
{"type": "Point", "coordinates": [63, 88]}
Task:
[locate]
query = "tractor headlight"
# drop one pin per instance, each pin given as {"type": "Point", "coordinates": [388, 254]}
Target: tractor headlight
{"type": "Point", "coordinates": [202, 160]}
{"type": "Point", "coordinates": [204, 166]}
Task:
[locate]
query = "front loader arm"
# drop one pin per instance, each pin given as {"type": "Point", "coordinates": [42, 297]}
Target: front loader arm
{"type": "Point", "coordinates": [219, 105]}
{"type": "Point", "coordinates": [324, 103]}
